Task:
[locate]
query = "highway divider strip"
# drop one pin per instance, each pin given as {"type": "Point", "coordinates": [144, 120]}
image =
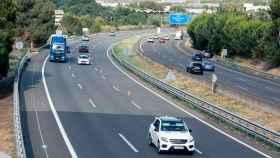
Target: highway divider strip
{"type": "Point", "coordinates": [269, 136]}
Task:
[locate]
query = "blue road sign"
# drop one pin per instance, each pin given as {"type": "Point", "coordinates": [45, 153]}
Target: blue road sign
{"type": "Point", "coordinates": [179, 19]}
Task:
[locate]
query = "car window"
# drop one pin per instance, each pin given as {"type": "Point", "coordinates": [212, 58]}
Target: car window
{"type": "Point", "coordinates": [156, 124]}
{"type": "Point", "coordinates": [173, 126]}
{"type": "Point", "coordinates": [197, 64]}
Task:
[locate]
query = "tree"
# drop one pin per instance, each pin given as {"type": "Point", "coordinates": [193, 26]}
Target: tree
{"type": "Point", "coordinates": [275, 12]}
{"type": "Point", "coordinates": [35, 19]}
{"type": "Point", "coordinates": [7, 32]}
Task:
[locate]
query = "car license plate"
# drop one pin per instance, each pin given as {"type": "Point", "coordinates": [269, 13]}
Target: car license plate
{"type": "Point", "coordinates": [179, 147]}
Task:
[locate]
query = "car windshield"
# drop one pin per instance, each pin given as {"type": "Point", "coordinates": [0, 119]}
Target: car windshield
{"type": "Point", "coordinates": [207, 63]}
{"type": "Point", "coordinates": [83, 57]}
{"type": "Point", "coordinates": [196, 64]}
{"type": "Point", "coordinates": [84, 47]}
{"type": "Point", "coordinates": [173, 126]}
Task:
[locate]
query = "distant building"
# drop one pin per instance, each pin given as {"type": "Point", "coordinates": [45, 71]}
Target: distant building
{"type": "Point", "coordinates": [249, 7]}
{"type": "Point", "coordinates": [58, 17]}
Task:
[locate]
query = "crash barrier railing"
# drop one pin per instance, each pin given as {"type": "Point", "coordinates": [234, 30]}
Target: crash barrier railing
{"type": "Point", "coordinates": [20, 149]}
{"type": "Point", "coordinates": [256, 130]}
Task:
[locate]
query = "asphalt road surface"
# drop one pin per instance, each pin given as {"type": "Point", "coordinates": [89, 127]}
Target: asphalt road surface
{"type": "Point", "coordinates": [257, 88]}
{"type": "Point", "coordinates": [97, 111]}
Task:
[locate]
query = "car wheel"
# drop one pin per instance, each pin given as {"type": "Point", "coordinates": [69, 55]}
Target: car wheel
{"type": "Point", "coordinates": [158, 148]}
{"type": "Point", "coordinates": [191, 152]}
{"type": "Point", "coordinates": [150, 140]}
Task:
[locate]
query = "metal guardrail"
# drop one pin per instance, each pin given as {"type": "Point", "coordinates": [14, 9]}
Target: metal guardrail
{"type": "Point", "coordinates": [20, 148]}
{"type": "Point", "coordinates": [254, 129]}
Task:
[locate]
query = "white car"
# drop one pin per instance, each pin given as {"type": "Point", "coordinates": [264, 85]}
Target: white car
{"type": "Point", "coordinates": [171, 134]}
{"type": "Point", "coordinates": [155, 37]}
{"type": "Point", "coordinates": [84, 59]}
{"type": "Point", "coordinates": [166, 38]}
{"type": "Point", "coordinates": [112, 34]}
{"type": "Point", "coordinates": [85, 38]}
{"type": "Point", "coordinates": [150, 40]}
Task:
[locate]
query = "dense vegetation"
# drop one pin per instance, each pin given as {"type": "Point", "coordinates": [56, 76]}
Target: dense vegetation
{"type": "Point", "coordinates": [7, 32]}
{"type": "Point", "coordinates": [35, 20]}
{"type": "Point", "coordinates": [87, 13]}
{"type": "Point", "coordinates": [241, 34]}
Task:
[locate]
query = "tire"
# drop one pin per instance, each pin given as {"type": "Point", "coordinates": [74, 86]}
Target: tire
{"type": "Point", "coordinates": [158, 148]}
{"type": "Point", "coordinates": [150, 142]}
{"type": "Point", "coordinates": [191, 152]}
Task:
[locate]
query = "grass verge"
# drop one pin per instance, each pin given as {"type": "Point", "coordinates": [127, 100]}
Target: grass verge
{"type": "Point", "coordinates": [195, 87]}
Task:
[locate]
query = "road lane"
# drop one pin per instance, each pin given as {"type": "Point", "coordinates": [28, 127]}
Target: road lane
{"type": "Point", "coordinates": [249, 85]}
{"type": "Point", "coordinates": [94, 132]}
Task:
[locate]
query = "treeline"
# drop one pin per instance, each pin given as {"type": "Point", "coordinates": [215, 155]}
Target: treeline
{"type": "Point", "coordinates": [239, 33]}
{"type": "Point", "coordinates": [95, 17]}
{"type": "Point", "coordinates": [30, 20]}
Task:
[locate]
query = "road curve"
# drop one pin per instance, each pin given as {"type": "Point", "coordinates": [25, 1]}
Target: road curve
{"type": "Point", "coordinates": [104, 113]}
{"type": "Point", "coordinates": [256, 88]}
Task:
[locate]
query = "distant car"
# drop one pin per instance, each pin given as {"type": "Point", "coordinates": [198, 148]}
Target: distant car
{"type": "Point", "coordinates": [161, 40]}
{"type": "Point", "coordinates": [85, 38]}
{"type": "Point", "coordinates": [166, 38]}
{"type": "Point", "coordinates": [207, 54]}
{"type": "Point", "coordinates": [170, 134]}
{"type": "Point", "coordinates": [197, 57]}
{"type": "Point", "coordinates": [112, 34]}
{"type": "Point", "coordinates": [84, 59]}
{"type": "Point", "coordinates": [151, 40]}
{"type": "Point", "coordinates": [155, 37]}
{"type": "Point", "coordinates": [195, 68]}
{"type": "Point", "coordinates": [208, 66]}
{"type": "Point", "coordinates": [83, 49]}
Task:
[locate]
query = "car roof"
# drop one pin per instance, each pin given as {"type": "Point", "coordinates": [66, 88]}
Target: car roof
{"type": "Point", "coordinates": [169, 118]}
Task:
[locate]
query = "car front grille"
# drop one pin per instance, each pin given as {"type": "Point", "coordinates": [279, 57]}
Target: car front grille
{"type": "Point", "coordinates": [178, 141]}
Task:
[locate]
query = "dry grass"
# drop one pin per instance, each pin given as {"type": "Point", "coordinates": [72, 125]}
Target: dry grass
{"type": "Point", "coordinates": [191, 85]}
{"type": "Point", "coordinates": [6, 127]}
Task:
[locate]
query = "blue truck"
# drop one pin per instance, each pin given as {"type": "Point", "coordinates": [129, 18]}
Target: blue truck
{"type": "Point", "coordinates": [58, 48]}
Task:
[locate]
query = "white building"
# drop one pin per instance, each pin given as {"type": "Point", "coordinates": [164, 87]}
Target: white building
{"type": "Point", "coordinates": [251, 7]}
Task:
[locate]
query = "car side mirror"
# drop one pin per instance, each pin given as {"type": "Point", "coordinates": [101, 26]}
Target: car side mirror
{"type": "Point", "coordinates": [190, 130]}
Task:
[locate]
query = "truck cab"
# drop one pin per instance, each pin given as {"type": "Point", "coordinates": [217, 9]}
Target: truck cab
{"type": "Point", "coordinates": [58, 48]}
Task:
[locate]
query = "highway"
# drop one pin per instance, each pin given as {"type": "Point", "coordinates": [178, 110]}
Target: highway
{"type": "Point", "coordinates": [259, 89]}
{"type": "Point", "coordinates": [99, 111]}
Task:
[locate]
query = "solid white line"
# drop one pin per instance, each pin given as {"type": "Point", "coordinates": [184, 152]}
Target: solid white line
{"type": "Point", "coordinates": [136, 105]}
{"type": "Point", "coordinates": [92, 103]}
{"type": "Point", "coordinates": [116, 89]}
{"type": "Point", "coordinates": [57, 119]}
{"type": "Point", "coordinates": [73, 75]}
{"type": "Point", "coordinates": [103, 77]}
{"type": "Point", "coordinates": [80, 86]}
{"type": "Point", "coordinates": [185, 111]}
{"type": "Point", "coordinates": [198, 151]}
{"type": "Point", "coordinates": [128, 143]}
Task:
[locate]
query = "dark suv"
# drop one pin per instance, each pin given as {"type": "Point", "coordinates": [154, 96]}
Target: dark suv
{"type": "Point", "coordinates": [83, 49]}
{"type": "Point", "coordinates": [197, 57]}
{"type": "Point", "coordinates": [195, 68]}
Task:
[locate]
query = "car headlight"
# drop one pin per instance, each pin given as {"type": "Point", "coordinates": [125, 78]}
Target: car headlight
{"type": "Point", "coordinates": [164, 139]}
{"type": "Point", "coordinates": [191, 140]}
